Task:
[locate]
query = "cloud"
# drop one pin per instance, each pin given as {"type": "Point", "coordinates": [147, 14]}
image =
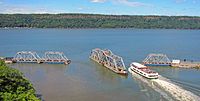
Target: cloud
{"type": "Point", "coordinates": [123, 2]}
{"type": "Point", "coordinates": [131, 3]}
{"type": "Point", "coordinates": [13, 9]}
{"type": "Point", "coordinates": [183, 1]}
{"type": "Point", "coordinates": [98, 1]}
{"type": "Point", "coordinates": [80, 8]}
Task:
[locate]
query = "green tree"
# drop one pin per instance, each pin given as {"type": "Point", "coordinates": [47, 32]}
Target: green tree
{"type": "Point", "coordinates": [14, 86]}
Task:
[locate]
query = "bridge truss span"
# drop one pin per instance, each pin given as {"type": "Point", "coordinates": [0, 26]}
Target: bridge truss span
{"type": "Point", "coordinates": [55, 57]}
{"type": "Point", "coordinates": [109, 60]}
{"type": "Point", "coordinates": [26, 56]}
{"type": "Point", "coordinates": [33, 57]}
{"type": "Point", "coordinates": [157, 59]}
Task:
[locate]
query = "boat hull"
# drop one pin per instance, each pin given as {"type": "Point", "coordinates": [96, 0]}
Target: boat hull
{"type": "Point", "coordinates": [157, 64]}
{"type": "Point", "coordinates": [142, 74]}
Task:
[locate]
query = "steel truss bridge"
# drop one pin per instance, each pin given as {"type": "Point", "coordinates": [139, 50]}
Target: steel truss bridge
{"type": "Point", "coordinates": [157, 59]}
{"type": "Point", "coordinates": [106, 57]}
{"type": "Point", "coordinates": [33, 57]}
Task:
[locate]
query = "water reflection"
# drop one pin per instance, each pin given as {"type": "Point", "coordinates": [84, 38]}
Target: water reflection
{"type": "Point", "coordinates": [79, 81]}
{"type": "Point", "coordinates": [42, 75]}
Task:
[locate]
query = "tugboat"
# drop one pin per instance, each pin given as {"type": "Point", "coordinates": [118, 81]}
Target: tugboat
{"type": "Point", "coordinates": [142, 70]}
{"type": "Point", "coordinates": [109, 60]}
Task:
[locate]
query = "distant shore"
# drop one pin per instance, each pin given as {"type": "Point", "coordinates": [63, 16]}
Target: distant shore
{"type": "Point", "coordinates": [85, 21]}
{"type": "Point", "coordinates": [90, 28]}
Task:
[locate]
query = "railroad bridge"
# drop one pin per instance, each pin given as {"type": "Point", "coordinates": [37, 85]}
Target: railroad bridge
{"type": "Point", "coordinates": [33, 57]}
{"type": "Point", "coordinates": [157, 59]}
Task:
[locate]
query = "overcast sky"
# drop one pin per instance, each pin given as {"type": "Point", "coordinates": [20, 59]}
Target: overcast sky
{"type": "Point", "coordinates": [119, 7]}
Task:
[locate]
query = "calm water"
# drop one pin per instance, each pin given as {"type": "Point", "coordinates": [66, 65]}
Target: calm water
{"type": "Point", "coordinates": [83, 79]}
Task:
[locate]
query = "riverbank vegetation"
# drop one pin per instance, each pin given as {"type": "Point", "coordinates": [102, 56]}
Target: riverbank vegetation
{"type": "Point", "coordinates": [14, 86]}
{"type": "Point", "coordinates": [98, 21]}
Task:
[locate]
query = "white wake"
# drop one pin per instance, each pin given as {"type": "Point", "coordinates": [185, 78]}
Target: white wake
{"type": "Point", "coordinates": [176, 91]}
{"type": "Point", "coordinates": [168, 89]}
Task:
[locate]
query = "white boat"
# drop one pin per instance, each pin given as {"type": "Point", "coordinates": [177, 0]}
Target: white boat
{"type": "Point", "coordinates": [142, 70]}
{"type": "Point", "coordinates": [109, 60]}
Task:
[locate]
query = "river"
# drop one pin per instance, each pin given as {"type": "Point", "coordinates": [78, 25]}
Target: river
{"type": "Point", "coordinates": [85, 80]}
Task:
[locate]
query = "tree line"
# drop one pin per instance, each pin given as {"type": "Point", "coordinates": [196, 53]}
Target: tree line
{"type": "Point", "coordinates": [98, 21]}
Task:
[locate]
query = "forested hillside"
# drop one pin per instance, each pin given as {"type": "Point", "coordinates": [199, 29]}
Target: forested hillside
{"type": "Point", "coordinates": [98, 21]}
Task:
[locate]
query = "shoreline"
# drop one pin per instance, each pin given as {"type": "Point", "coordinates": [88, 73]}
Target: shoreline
{"type": "Point", "coordinates": [97, 28]}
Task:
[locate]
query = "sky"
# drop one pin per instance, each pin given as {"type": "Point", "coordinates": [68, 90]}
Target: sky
{"type": "Point", "coordinates": [111, 7]}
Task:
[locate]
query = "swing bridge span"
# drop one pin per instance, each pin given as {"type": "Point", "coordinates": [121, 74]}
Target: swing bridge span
{"type": "Point", "coordinates": [32, 57]}
{"type": "Point", "coordinates": [109, 60]}
{"type": "Point", "coordinates": [157, 59]}
{"type": "Point", "coordinates": [163, 60]}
